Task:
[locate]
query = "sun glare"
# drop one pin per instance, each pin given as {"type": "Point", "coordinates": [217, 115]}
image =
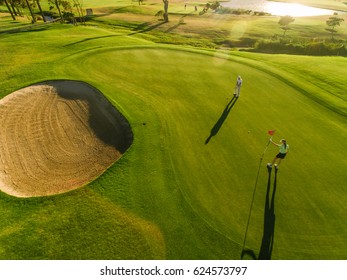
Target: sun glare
{"type": "Point", "coordinates": [277, 8]}
{"type": "Point", "coordinates": [295, 10]}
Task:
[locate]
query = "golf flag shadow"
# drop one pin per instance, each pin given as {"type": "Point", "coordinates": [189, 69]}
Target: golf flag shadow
{"type": "Point", "coordinates": [221, 119]}
{"type": "Point", "coordinates": [269, 220]}
{"type": "Point", "coordinates": [269, 224]}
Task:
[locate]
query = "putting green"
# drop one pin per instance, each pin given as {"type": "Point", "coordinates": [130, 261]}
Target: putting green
{"type": "Point", "coordinates": [217, 179]}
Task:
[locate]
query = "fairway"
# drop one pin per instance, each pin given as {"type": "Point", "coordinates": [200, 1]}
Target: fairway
{"type": "Point", "coordinates": [184, 188]}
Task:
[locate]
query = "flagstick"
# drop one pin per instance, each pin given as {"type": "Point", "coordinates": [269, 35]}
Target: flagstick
{"type": "Point", "coordinates": [267, 145]}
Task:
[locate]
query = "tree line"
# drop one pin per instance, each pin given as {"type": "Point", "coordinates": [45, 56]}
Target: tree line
{"type": "Point", "coordinates": [322, 47]}
{"type": "Point", "coordinates": [332, 23]}
{"type": "Point", "coordinates": [70, 10]}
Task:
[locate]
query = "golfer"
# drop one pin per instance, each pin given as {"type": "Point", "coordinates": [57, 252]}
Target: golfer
{"type": "Point", "coordinates": [238, 86]}
{"type": "Point", "coordinates": [283, 150]}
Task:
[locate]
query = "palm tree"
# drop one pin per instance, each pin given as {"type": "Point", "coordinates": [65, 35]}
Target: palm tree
{"type": "Point", "coordinates": [9, 9]}
{"type": "Point", "coordinates": [31, 11]}
{"type": "Point", "coordinates": [166, 7]}
{"type": "Point", "coordinates": [41, 12]}
{"type": "Point", "coordinates": [56, 3]}
{"type": "Point", "coordinates": [79, 8]}
{"type": "Point", "coordinates": [15, 4]}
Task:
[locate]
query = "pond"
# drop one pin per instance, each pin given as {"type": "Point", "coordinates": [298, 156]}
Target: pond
{"type": "Point", "coordinates": [277, 8]}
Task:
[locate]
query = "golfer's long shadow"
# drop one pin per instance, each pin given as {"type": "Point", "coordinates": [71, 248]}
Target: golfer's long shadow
{"type": "Point", "coordinates": [221, 119]}
{"type": "Point", "coordinates": [269, 221]}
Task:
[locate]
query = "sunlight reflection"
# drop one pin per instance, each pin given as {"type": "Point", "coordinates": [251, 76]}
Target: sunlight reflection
{"type": "Point", "coordinates": [277, 8]}
{"type": "Point", "coordinates": [295, 10]}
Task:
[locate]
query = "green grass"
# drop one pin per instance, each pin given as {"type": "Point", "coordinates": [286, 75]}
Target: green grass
{"type": "Point", "coordinates": [171, 196]}
{"type": "Point", "coordinates": [7, 23]}
{"type": "Point", "coordinates": [187, 27]}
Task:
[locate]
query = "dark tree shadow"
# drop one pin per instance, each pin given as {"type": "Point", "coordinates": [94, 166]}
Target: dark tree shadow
{"type": "Point", "coordinates": [269, 220]}
{"type": "Point", "coordinates": [221, 119]}
{"type": "Point", "coordinates": [140, 29]}
{"type": "Point", "coordinates": [90, 39]}
{"type": "Point", "coordinates": [177, 25]}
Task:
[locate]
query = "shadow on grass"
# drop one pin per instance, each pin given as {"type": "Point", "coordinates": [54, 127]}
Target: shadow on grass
{"type": "Point", "coordinates": [221, 119]}
{"type": "Point", "coordinates": [269, 221]}
{"type": "Point", "coordinates": [266, 247]}
{"type": "Point", "coordinates": [141, 28]}
{"type": "Point", "coordinates": [90, 39]}
{"type": "Point", "coordinates": [177, 25]}
{"type": "Point", "coordinates": [26, 29]}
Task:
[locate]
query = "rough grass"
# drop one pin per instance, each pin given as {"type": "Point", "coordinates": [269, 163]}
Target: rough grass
{"type": "Point", "coordinates": [209, 30]}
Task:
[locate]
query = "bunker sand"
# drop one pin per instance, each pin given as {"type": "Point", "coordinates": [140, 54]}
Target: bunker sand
{"type": "Point", "coordinates": [58, 136]}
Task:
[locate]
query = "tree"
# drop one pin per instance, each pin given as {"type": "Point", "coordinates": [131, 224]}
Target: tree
{"type": "Point", "coordinates": [41, 12]}
{"type": "Point", "coordinates": [16, 7]}
{"type": "Point", "coordinates": [56, 3]}
{"type": "Point", "coordinates": [166, 13]}
{"type": "Point", "coordinates": [332, 22]}
{"type": "Point", "coordinates": [284, 23]}
{"type": "Point", "coordinates": [30, 10]}
{"type": "Point", "coordinates": [215, 5]}
{"type": "Point", "coordinates": [78, 6]}
{"type": "Point", "coordinates": [9, 9]}
{"type": "Point", "coordinates": [67, 9]}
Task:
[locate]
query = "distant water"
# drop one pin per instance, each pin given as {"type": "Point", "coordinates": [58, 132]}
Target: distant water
{"type": "Point", "coordinates": [277, 8]}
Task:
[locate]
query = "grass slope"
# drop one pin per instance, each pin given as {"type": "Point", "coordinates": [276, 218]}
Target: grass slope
{"type": "Point", "coordinates": [184, 188]}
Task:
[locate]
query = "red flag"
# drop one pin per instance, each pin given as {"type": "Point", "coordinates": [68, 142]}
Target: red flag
{"type": "Point", "coordinates": [271, 132]}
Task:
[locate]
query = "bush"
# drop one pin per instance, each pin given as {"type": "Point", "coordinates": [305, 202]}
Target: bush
{"type": "Point", "coordinates": [322, 48]}
{"type": "Point", "coordinates": [226, 10]}
{"type": "Point", "coordinates": [311, 48]}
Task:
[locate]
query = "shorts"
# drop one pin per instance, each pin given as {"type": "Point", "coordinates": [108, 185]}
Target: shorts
{"type": "Point", "coordinates": [280, 155]}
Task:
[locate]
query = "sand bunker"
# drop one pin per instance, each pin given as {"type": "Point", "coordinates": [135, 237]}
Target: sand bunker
{"type": "Point", "coordinates": [57, 136]}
